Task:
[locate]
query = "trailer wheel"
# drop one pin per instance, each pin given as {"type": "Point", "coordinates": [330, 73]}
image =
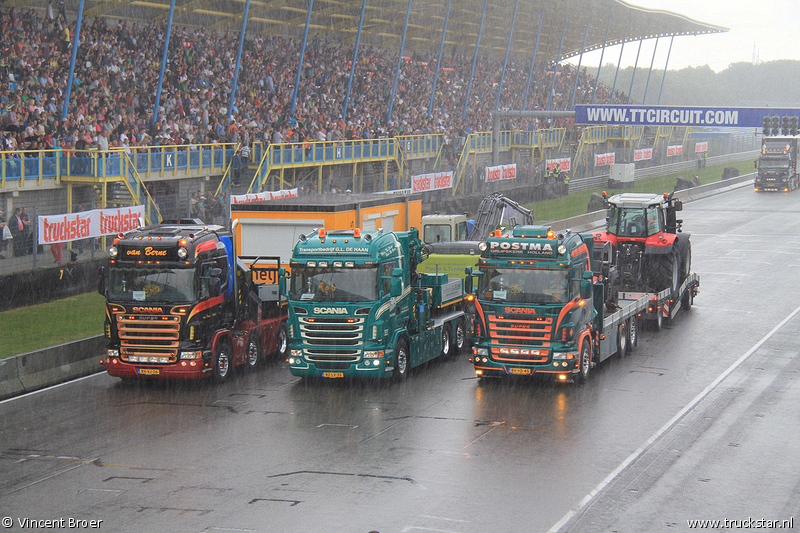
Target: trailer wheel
{"type": "Point", "coordinates": [447, 341]}
{"type": "Point", "coordinates": [223, 362]}
{"type": "Point", "coordinates": [688, 299]}
{"type": "Point", "coordinates": [633, 334]}
{"type": "Point", "coordinates": [586, 363]}
{"type": "Point", "coordinates": [460, 337]}
{"type": "Point", "coordinates": [658, 322]}
{"type": "Point", "coordinates": [401, 361]}
{"type": "Point", "coordinates": [622, 340]}
{"type": "Point", "coordinates": [253, 351]}
{"type": "Point", "coordinates": [283, 341]}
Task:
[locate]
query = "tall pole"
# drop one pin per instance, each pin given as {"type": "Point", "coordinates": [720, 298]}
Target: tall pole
{"type": "Point", "coordinates": [238, 60]}
{"type": "Point", "coordinates": [578, 71]}
{"type": "Point", "coordinates": [665, 70]}
{"type": "Point", "coordinates": [533, 59]}
{"type": "Point", "coordinates": [555, 70]}
{"type": "Point", "coordinates": [355, 58]}
{"type": "Point", "coordinates": [647, 83]}
{"type": "Point", "coordinates": [602, 53]}
{"type": "Point", "coordinates": [163, 63]}
{"type": "Point", "coordinates": [635, 66]}
{"type": "Point", "coordinates": [439, 61]}
{"type": "Point", "coordinates": [505, 62]}
{"type": "Point", "coordinates": [621, 48]}
{"type": "Point", "coordinates": [302, 54]}
{"type": "Point", "coordinates": [399, 62]}
{"type": "Point", "coordinates": [474, 60]}
{"type": "Point", "coordinates": [72, 61]}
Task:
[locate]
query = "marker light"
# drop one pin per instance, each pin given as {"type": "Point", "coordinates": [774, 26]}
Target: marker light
{"type": "Point", "coordinates": [321, 233]}
{"type": "Point", "coordinates": [357, 233]}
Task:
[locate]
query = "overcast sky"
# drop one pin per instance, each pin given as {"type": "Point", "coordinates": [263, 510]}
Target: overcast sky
{"type": "Point", "coordinates": [762, 29]}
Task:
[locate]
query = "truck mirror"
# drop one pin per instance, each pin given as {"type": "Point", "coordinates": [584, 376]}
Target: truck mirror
{"type": "Point", "coordinates": [101, 281]}
{"type": "Point", "coordinates": [678, 205]}
{"type": "Point", "coordinates": [214, 283]}
{"type": "Point", "coordinates": [586, 288]}
{"type": "Point", "coordinates": [395, 286]}
{"type": "Point", "coordinates": [468, 271]}
{"type": "Point", "coordinates": [397, 272]}
{"type": "Point", "coordinates": [282, 282]}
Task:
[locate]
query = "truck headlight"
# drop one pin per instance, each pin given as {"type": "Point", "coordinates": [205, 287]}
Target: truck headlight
{"type": "Point", "coordinates": [113, 251]}
{"type": "Point", "coordinates": [373, 354]}
{"type": "Point", "coordinates": [192, 355]}
{"type": "Point", "coordinates": [182, 253]}
{"type": "Point", "coordinates": [481, 351]}
{"type": "Point", "coordinates": [112, 353]}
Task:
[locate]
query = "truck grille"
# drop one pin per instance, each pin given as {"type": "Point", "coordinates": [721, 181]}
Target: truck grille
{"type": "Point", "coordinates": [155, 336]}
{"type": "Point", "coordinates": [518, 337]}
{"type": "Point", "coordinates": [332, 339]}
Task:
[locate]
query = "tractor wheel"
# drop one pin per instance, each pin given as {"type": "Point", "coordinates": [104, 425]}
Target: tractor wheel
{"type": "Point", "coordinates": [665, 272]}
{"type": "Point", "coordinates": [686, 262]}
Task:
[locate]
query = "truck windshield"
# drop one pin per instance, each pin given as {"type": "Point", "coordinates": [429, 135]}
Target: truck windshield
{"type": "Point", "coordinates": [523, 285]}
{"type": "Point", "coordinates": [153, 284]}
{"type": "Point", "coordinates": [773, 163]}
{"type": "Point", "coordinates": [334, 284]}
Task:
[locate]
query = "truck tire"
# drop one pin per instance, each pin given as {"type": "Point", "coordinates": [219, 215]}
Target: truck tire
{"type": "Point", "coordinates": [586, 363]}
{"type": "Point", "coordinates": [283, 341]}
{"type": "Point", "coordinates": [447, 341]}
{"type": "Point", "coordinates": [622, 340]}
{"type": "Point", "coordinates": [665, 272]}
{"type": "Point", "coordinates": [402, 363]}
{"type": "Point", "coordinates": [633, 333]}
{"type": "Point", "coordinates": [460, 337]}
{"type": "Point", "coordinates": [222, 361]}
{"type": "Point", "coordinates": [253, 356]}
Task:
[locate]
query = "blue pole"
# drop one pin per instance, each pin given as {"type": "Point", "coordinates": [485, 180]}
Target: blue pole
{"type": "Point", "coordinates": [439, 61]}
{"type": "Point", "coordinates": [163, 63]}
{"type": "Point", "coordinates": [355, 58]}
{"type": "Point", "coordinates": [399, 62]}
{"type": "Point", "coordinates": [238, 60]}
{"type": "Point", "coordinates": [302, 53]}
{"type": "Point", "coordinates": [555, 70]}
{"type": "Point", "coordinates": [578, 71]}
{"type": "Point", "coordinates": [635, 66]}
{"type": "Point", "coordinates": [533, 59]}
{"type": "Point", "coordinates": [619, 61]}
{"type": "Point", "coordinates": [665, 70]}
{"type": "Point", "coordinates": [602, 53]}
{"type": "Point", "coordinates": [505, 62]}
{"type": "Point", "coordinates": [474, 59]}
{"type": "Point", "coordinates": [649, 72]}
{"type": "Point", "coordinates": [74, 58]}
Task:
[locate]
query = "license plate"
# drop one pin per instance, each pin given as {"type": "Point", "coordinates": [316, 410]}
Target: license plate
{"type": "Point", "coordinates": [519, 370]}
{"type": "Point", "coordinates": [149, 371]}
{"type": "Point", "coordinates": [333, 374]}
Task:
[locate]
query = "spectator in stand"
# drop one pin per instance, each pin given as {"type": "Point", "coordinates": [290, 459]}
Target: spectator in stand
{"type": "Point", "coordinates": [3, 224]}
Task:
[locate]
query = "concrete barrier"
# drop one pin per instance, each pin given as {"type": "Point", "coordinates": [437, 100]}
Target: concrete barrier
{"type": "Point", "coordinates": [30, 371]}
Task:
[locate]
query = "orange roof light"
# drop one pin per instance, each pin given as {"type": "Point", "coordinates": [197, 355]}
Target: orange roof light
{"type": "Point", "coordinates": [321, 233]}
{"type": "Point", "coordinates": [357, 233]}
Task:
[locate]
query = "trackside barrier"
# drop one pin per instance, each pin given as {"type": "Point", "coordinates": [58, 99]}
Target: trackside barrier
{"type": "Point", "coordinates": [27, 372]}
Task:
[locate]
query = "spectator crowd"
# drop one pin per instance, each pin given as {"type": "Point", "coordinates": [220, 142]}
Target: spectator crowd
{"type": "Point", "coordinates": [118, 66]}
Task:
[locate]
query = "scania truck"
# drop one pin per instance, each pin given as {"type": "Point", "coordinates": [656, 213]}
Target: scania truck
{"type": "Point", "coordinates": [777, 165]}
{"type": "Point", "coordinates": [360, 309]}
{"type": "Point", "coordinates": [180, 304]}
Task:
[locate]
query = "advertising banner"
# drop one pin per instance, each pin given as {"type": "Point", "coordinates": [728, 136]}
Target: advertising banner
{"type": "Point", "coordinates": [563, 164]}
{"type": "Point", "coordinates": [701, 147]}
{"type": "Point", "coordinates": [501, 172]}
{"type": "Point", "coordinates": [432, 182]}
{"type": "Point", "coordinates": [675, 150]}
{"type": "Point", "coordinates": [88, 224]}
{"type": "Point", "coordinates": [644, 154]}
{"type": "Point", "coordinates": [604, 159]}
{"type": "Point", "coordinates": [261, 196]}
{"type": "Point", "coordinates": [742, 117]}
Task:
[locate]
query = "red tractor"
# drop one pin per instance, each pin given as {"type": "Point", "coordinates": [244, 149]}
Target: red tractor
{"type": "Point", "coordinates": [646, 243]}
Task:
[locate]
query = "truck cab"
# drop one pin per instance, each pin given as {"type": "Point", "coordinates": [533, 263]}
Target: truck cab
{"type": "Point", "coordinates": [444, 228]}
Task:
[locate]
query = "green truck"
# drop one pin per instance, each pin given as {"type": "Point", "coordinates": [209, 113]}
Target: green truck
{"type": "Point", "coordinates": [358, 306]}
{"type": "Point", "coordinates": [541, 305]}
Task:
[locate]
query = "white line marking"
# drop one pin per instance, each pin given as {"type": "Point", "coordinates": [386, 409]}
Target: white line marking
{"type": "Point", "coordinates": [635, 455]}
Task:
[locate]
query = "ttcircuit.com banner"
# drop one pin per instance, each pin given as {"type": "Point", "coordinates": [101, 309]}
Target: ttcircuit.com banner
{"type": "Point", "coordinates": [741, 117]}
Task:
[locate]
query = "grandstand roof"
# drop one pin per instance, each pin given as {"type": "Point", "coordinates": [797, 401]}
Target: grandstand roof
{"type": "Point", "coordinates": [384, 21]}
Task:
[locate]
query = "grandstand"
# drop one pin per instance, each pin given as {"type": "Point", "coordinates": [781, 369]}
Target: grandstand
{"type": "Point", "coordinates": [420, 97]}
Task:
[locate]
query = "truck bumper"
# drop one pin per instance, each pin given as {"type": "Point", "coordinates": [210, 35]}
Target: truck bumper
{"type": "Point", "coordinates": [554, 370]}
{"type": "Point", "coordinates": [180, 370]}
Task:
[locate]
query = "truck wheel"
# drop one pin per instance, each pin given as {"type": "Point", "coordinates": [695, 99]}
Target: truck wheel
{"type": "Point", "coordinates": [253, 351]}
{"type": "Point", "coordinates": [586, 363]}
{"type": "Point", "coordinates": [622, 340]}
{"type": "Point", "coordinates": [223, 362]}
{"type": "Point", "coordinates": [460, 337]}
{"type": "Point", "coordinates": [633, 334]}
{"type": "Point", "coordinates": [283, 341]}
{"type": "Point", "coordinates": [402, 364]}
{"type": "Point", "coordinates": [447, 341]}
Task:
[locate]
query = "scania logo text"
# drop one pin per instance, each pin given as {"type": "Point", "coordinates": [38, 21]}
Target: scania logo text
{"type": "Point", "coordinates": [330, 310]}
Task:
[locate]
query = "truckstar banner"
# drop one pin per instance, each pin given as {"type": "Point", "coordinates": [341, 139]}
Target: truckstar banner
{"type": "Point", "coordinates": [501, 172]}
{"type": "Point", "coordinates": [261, 196]}
{"type": "Point", "coordinates": [701, 147]}
{"type": "Point", "coordinates": [743, 117]}
{"type": "Point", "coordinates": [88, 224]}
{"type": "Point", "coordinates": [432, 182]}
{"type": "Point", "coordinates": [563, 164]}
{"type": "Point", "coordinates": [643, 154]}
{"type": "Point", "coordinates": [604, 159]}
{"type": "Point", "coordinates": [675, 150]}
